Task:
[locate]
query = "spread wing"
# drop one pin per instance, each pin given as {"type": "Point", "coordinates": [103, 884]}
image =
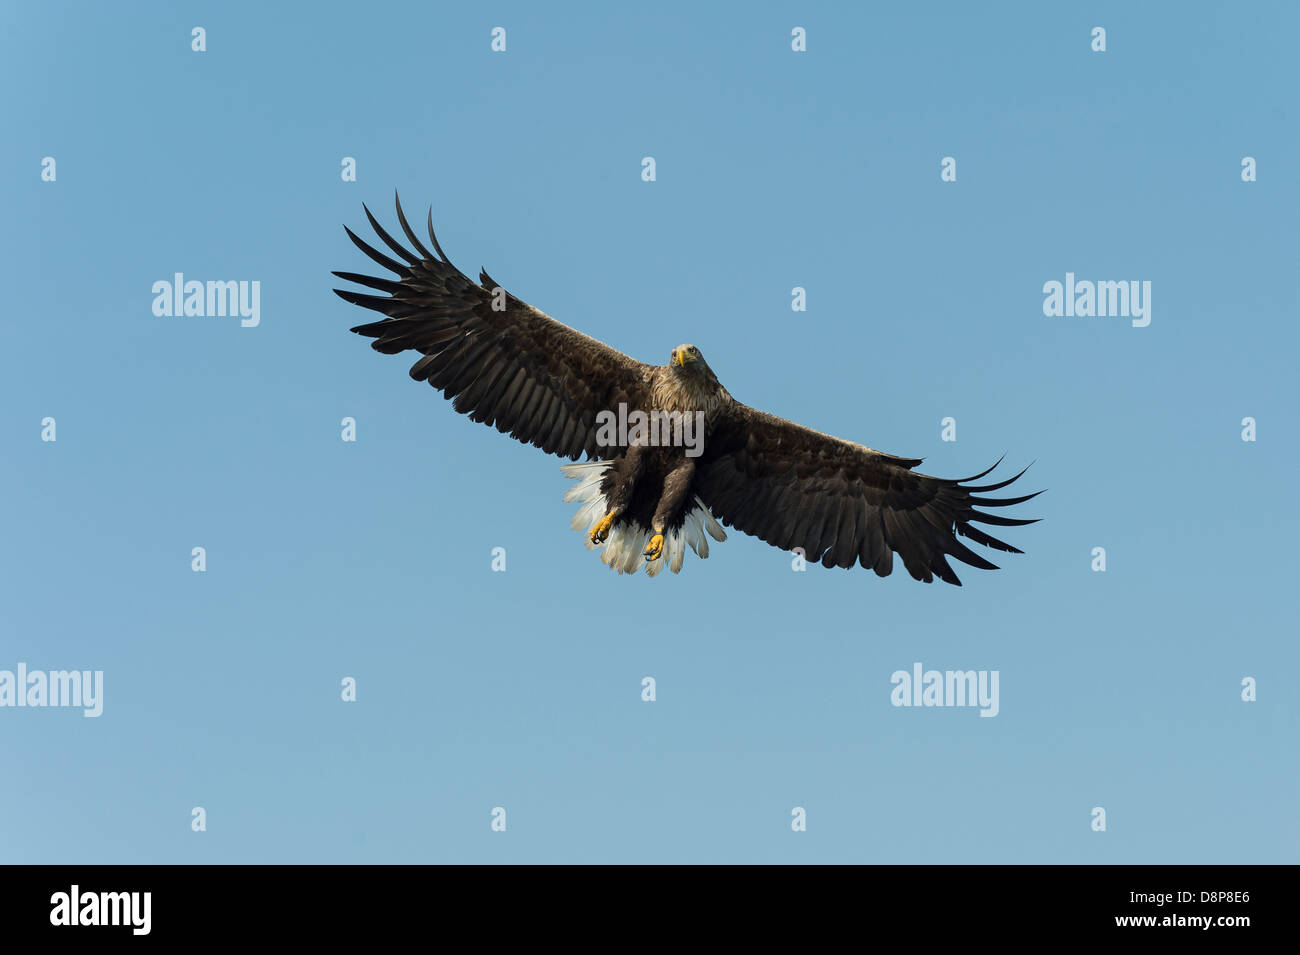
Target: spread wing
{"type": "Point", "coordinates": [843, 502]}
{"type": "Point", "coordinates": [511, 366]}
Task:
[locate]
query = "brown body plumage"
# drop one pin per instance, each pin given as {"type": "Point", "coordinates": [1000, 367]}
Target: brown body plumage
{"type": "Point", "coordinates": [509, 365]}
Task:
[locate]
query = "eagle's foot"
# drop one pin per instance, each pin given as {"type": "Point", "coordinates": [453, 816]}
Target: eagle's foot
{"type": "Point", "coordinates": [600, 530]}
{"type": "Point", "coordinates": [655, 547]}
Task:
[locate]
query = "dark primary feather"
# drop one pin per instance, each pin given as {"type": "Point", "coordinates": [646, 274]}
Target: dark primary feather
{"type": "Point", "coordinates": [517, 369]}
{"type": "Point", "coordinates": [842, 502]}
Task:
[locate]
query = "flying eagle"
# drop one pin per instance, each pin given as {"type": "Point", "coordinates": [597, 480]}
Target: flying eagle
{"type": "Point", "coordinates": [669, 451]}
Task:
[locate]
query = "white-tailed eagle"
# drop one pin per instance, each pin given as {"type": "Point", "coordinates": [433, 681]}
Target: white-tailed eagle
{"type": "Point", "coordinates": [669, 451]}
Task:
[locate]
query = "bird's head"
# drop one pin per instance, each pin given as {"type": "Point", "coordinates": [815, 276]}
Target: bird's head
{"type": "Point", "coordinates": [688, 368]}
{"type": "Point", "coordinates": [688, 360]}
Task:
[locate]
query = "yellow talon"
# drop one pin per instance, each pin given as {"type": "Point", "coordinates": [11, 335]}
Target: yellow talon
{"type": "Point", "coordinates": [601, 529]}
{"type": "Point", "coordinates": [655, 547]}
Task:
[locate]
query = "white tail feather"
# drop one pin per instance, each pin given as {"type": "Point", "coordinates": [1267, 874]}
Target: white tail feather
{"type": "Point", "coordinates": [712, 526]}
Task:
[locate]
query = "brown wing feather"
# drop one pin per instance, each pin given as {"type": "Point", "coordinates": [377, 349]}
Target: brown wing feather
{"type": "Point", "coordinates": [843, 502]}
{"type": "Point", "coordinates": [517, 369]}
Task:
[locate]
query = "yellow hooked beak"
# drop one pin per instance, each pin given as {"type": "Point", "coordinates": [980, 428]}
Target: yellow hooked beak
{"type": "Point", "coordinates": [680, 356]}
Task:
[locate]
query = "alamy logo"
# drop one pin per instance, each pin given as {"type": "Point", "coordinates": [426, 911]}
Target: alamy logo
{"type": "Point", "coordinates": [1085, 299]}
{"type": "Point", "coordinates": [946, 688]}
{"type": "Point", "coordinates": [75, 907]}
{"type": "Point", "coordinates": [179, 298]}
{"type": "Point", "coordinates": [83, 688]}
{"type": "Point", "coordinates": [629, 429]}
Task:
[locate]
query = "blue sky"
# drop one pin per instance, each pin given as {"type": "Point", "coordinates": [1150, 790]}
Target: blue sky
{"type": "Point", "coordinates": [372, 560]}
